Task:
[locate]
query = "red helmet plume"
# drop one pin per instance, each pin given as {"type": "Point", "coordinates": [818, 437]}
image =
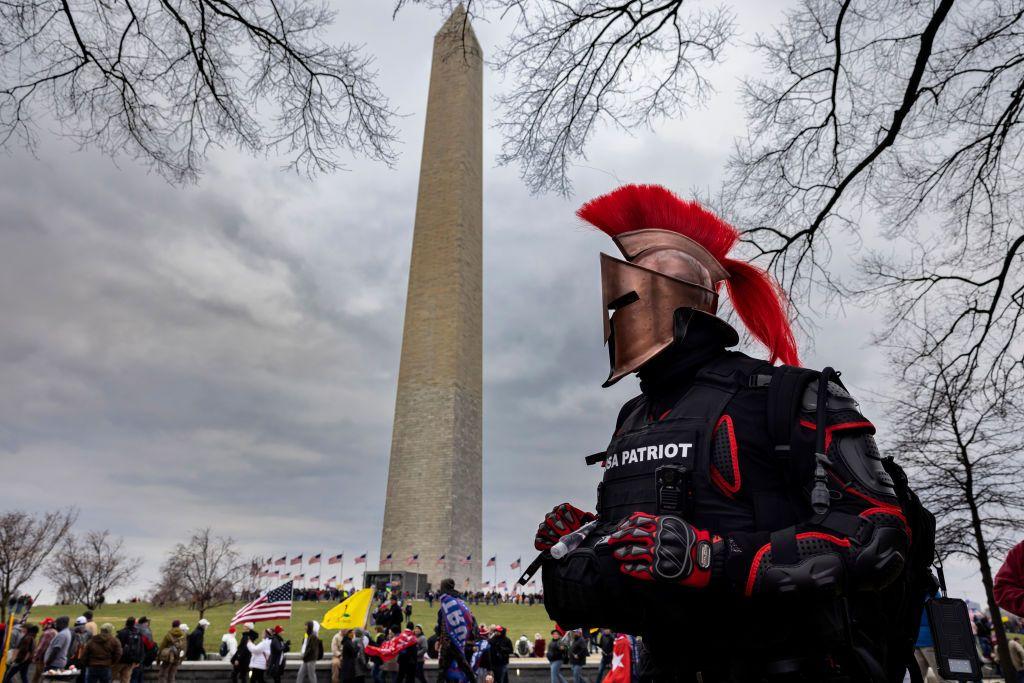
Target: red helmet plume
{"type": "Point", "coordinates": [756, 297]}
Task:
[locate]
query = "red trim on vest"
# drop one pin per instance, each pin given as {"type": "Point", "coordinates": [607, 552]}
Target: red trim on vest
{"type": "Point", "coordinates": [728, 489]}
{"type": "Point", "coordinates": [829, 430]}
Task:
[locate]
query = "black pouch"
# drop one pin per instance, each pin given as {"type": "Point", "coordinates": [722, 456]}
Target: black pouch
{"type": "Point", "coordinates": [585, 589]}
{"type": "Point", "coordinates": [955, 651]}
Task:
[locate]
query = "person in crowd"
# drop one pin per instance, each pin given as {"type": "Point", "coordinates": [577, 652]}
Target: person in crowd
{"type": "Point", "coordinates": [228, 644]}
{"type": "Point", "coordinates": [195, 650]}
{"type": "Point", "coordinates": [501, 650]}
{"type": "Point", "coordinates": [336, 655]}
{"type": "Point", "coordinates": [983, 632]}
{"type": "Point", "coordinates": [347, 663]}
{"type": "Point", "coordinates": [1017, 657]}
{"type": "Point", "coordinates": [523, 647]}
{"type": "Point", "coordinates": [432, 643]}
{"type": "Point", "coordinates": [394, 614]}
{"type": "Point", "coordinates": [150, 649]}
{"type": "Point", "coordinates": [240, 661]}
{"type": "Point", "coordinates": [275, 667]}
{"type": "Point", "coordinates": [80, 635]}
{"type": "Point", "coordinates": [312, 652]}
{"type": "Point", "coordinates": [1009, 582]}
{"type": "Point", "coordinates": [388, 667]}
{"type": "Point", "coordinates": [361, 663]}
{"type": "Point", "coordinates": [456, 628]}
{"type": "Point", "coordinates": [421, 654]}
{"type": "Point", "coordinates": [605, 645]}
{"type": "Point", "coordinates": [132, 652]}
{"type": "Point", "coordinates": [259, 656]}
{"type": "Point", "coordinates": [90, 624]}
{"type": "Point", "coordinates": [39, 656]}
{"type": "Point", "coordinates": [102, 653]}
{"type": "Point", "coordinates": [578, 653]}
{"type": "Point", "coordinates": [21, 660]}
{"type": "Point", "coordinates": [555, 656]}
{"type": "Point", "coordinates": [539, 646]}
{"type": "Point", "coordinates": [56, 656]}
{"type": "Point", "coordinates": [172, 648]}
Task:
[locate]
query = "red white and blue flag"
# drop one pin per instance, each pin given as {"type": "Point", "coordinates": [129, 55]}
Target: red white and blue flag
{"type": "Point", "coordinates": [361, 559]}
{"type": "Point", "coordinates": [272, 605]}
{"type": "Point", "coordinates": [413, 559]}
{"type": "Point", "coordinates": [387, 560]}
{"type": "Point", "coordinates": [280, 561]}
{"type": "Point", "coordinates": [493, 561]}
{"type": "Point", "coordinates": [440, 560]}
{"type": "Point", "coordinates": [297, 560]}
{"type": "Point", "coordinates": [315, 559]}
{"type": "Point", "coordinates": [336, 559]}
{"type": "Point", "coordinates": [517, 564]}
{"type": "Point", "coordinates": [469, 558]}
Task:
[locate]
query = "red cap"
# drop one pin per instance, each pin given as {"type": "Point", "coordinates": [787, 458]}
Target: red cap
{"type": "Point", "coordinates": [278, 629]}
{"type": "Point", "coordinates": [231, 630]}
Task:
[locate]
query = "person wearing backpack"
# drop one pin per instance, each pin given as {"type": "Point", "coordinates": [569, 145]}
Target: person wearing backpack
{"type": "Point", "coordinates": [172, 648]}
{"type": "Point", "coordinates": [132, 651]}
{"type": "Point", "coordinates": [228, 645]}
{"type": "Point", "coordinates": [80, 636]}
{"type": "Point", "coordinates": [196, 650]}
{"type": "Point", "coordinates": [278, 646]}
{"type": "Point", "coordinates": [361, 666]}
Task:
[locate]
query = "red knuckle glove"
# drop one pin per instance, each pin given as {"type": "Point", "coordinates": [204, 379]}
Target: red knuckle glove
{"type": "Point", "coordinates": [663, 548]}
{"type": "Point", "coordinates": [563, 519]}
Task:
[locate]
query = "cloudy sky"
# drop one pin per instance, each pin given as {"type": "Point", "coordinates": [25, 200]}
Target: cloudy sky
{"type": "Point", "coordinates": [226, 354]}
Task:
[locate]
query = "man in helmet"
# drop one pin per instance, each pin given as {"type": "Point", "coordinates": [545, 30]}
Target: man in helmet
{"type": "Point", "coordinates": [740, 499]}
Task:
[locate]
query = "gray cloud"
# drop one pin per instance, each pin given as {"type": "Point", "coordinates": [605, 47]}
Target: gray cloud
{"type": "Point", "coordinates": [226, 354]}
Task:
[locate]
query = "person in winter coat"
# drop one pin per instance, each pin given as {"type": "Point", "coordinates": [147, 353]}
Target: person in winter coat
{"type": "Point", "coordinates": [606, 646]}
{"type": "Point", "coordinates": [133, 651]}
{"type": "Point", "coordinates": [421, 654]}
{"type": "Point", "coordinates": [554, 656]}
{"type": "Point", "coordinates": [89, 623]}
{"type": "Point", "coordinates": [501, 650]}
{"type": "Point", "coordinates": [80, 635]}
{"type": "Point", "coordinates": [312, 651]}
{"type": "Point", "coordinates": [1009, 583]}
{"type": "Point", "coordinates": [336, 655]}
{"type": "Point", "coordinates": [524, 648]}
{"type": "Point", "coordinates": [49, 633]}
{"type": "Point", "coordinates": [21, 662]}
{"type": "Point", "coordinates": [102, 652]}
{"type": "Point", "coordinates": [260, 656]}
{"type": "Point", "coordinates": [195, 651]}
{"type": "Point", "coordinates": [540, 646]}
{"type": "Point", "coordinates": [347, 664]}
{"type": "Point", "coordinates": [56, 656]}
{"type": "Point", "coordinates": [275, 667]}
{"type": "Point", "coordinates": [578, 653]}
{"type": "Point", "coordinates": [362, 662]}
{"type": "Point", "coordinates": [240, 662]}
{"type": "Point", "coordinates": [228, 645]}
{"type": "Point", "coordinates": [172, 647]}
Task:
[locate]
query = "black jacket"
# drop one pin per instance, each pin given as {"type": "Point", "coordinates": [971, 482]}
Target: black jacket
{"type": "Point", "coordinates": [501, 650]}
{"type": "Point", "coordinates": [579, 651]}
{"type": "Point", "coordinates": [194, 650]}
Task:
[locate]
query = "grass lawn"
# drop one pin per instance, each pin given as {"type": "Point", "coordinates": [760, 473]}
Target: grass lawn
{"type": "Point", "coordinates": [518, 619]}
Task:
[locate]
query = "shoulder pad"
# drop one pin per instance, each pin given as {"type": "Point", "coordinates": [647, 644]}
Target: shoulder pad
{"type": "Point", "coordinates": [838, 398]}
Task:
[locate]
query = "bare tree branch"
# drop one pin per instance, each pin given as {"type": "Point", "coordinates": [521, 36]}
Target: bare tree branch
{"type": "Point", "coordinates": [26, 541]}
{"type": "Point", "coordinates": [85, 569]}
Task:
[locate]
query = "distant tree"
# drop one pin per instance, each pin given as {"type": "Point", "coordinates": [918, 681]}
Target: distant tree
{"type": "Point", "coordinates": [85, 569]}
{"type": "Point", "coordinates": [576, 65]}
{"type": "Point", "coordinates": [26, 541]}
{"type": "Point", "coordinates": [164, 81]}
{"type": "Point", "coordinates": [961, 443]}
{"type": "Point", "coordinates": [201, 572]}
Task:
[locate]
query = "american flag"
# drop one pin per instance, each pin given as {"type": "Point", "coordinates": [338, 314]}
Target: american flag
{"type": "Point", "coordinates": [315, 579]}
{"type": "Point", "coordinates": [413, 559]}
{"type": "Point", "coordinates": [285, 575]}
{"type": "Point", "coordinates": [440, 560]}
{"type": "Point", "coordinates": [502, 585]}
{"type": "Point", "coordinates": [361, 559]}
{"type": "Point", "coordinates": [280, 561]}
{"type": "Point", "coordinates": [493, 561]}
{"type": "Point", "coordinates": [315, 559]}
{"type": "Point", "coordinates": [336, 559]}
{"type": "Point", "coordinates": [299, 577]}
{"type": "Point", "coordinates": [517, 564]}
{"type": "Point", "coordinates": [487, 584]}
{"type": "Point", "coordinates": [297, 560]}
{"type": "Point", "coordinates": [387, 560]}
{"type": "Point", "coordinates": [469, 558]}
{"type": "Point", "coordinates": [275, 604]}
{"type": "Point", "coordinates": [349, 579]}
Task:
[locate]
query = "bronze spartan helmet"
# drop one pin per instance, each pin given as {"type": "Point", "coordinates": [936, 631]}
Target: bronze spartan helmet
{"type": "Point", "coordinates": [676, 255]}
{"type": "Point", "coordinates": [663, 271]}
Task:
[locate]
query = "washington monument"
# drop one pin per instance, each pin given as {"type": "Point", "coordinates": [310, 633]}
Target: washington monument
{"type": "Point", "coordinates": [435, 478]}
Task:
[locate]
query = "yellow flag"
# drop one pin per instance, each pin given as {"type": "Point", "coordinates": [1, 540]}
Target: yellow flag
{"type": "Point", "coordinates": [351, 613]}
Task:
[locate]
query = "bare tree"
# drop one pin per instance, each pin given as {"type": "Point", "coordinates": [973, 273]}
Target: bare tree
{"type": "Point", "coordinates": [578, 64]}
{"type": "Point", "coordinates": [961, 442]}
{"type": "Point", "coordinates": [84, 569]}
{"type": "Point", "coordinates": [202, 572]}
{"type": "Point", "coordinates": [162, 81]}
{"type": "Point", "coordinates": [26, 541]}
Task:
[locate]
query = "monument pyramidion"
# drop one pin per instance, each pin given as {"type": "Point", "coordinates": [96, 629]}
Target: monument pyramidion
{"type": "Point", "coordinates": [435, 478]}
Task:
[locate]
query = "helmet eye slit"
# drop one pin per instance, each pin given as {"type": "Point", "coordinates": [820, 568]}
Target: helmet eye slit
{"type": "Point", "coordinates": [623, 301]}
